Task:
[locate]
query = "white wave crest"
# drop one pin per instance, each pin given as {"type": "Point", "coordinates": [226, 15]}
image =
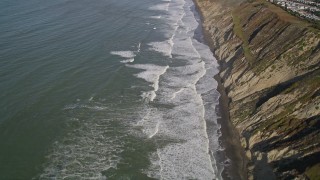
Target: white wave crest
{"type": "Point", "coordinates": [150, 74]}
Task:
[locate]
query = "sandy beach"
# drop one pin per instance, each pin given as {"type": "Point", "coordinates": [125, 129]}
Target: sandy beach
{"type": "Point", "coordinates": [230, 140]}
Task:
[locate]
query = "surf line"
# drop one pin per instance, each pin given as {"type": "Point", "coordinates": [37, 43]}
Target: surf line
{"type": "Point", "coordinates": [156, 130]}
{"type": "Point", "coordinates": [156, 84]}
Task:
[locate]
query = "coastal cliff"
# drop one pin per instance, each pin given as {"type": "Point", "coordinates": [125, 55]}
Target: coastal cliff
{"type": "Point", "coordinates": [270, 64]}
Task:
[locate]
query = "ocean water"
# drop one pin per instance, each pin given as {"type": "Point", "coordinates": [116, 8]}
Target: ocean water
{"type": "Point", "coordinates": [106, 89]}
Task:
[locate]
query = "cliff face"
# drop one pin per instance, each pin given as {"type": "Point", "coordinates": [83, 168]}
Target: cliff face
{"type": "Point", "coordinates": [270, 69]}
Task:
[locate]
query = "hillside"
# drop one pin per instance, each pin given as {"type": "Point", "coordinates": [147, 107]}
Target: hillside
{"type": "Point", "coordinates": [270, 64]}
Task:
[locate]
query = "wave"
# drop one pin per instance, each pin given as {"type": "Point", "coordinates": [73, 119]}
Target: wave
{"type": "Point", "coordinates": [173, 18]}
{"type": "Point", "coordinates": [124, 54]}
{"type": "Point", "coordinates": [155, 17]}
{"type": "Point", "coordinates": [164, 6]}
{"type": "Point", "coordinates": [128, 55]}
{"type": "Point", "coordinates": [162, 47]}
{"type": "Point", "coordinates": [188, 89]}
{"type": "Point", "coordinates": [150, 74]}
{"type": "Point", "coordinates": [174, 114]}
{"type": "Point", "coordinates": [87, 151]}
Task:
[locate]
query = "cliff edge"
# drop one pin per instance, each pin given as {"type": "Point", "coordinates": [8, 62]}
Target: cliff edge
{"type": "Point", "coordinates": [270, 68]}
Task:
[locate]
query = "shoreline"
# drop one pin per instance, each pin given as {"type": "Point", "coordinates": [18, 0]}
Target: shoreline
{"type": "Point", "coordinates": [230, 138]}
{"type": "Point", "coordinates": [254, 41]}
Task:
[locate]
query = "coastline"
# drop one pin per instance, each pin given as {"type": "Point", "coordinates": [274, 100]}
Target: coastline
{"type": "Point", "coordinates": [230, 138]}
{"type": "Point", "coordinates": [270, 74]}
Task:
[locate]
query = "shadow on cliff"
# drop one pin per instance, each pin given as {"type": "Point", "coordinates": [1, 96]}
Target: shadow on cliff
{"type": "Point", "coordinates": [283, 86]}
{"type": "Point", "coordinates": [293, 163]}
{"type": "Point", "coordinates": [312, 127]}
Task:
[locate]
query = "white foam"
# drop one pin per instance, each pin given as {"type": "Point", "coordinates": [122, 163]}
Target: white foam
{"type": "Point", "coordinates": [139, 47]}
{"type": "Point", "coordinates": [189, 91]}
{"type": "Point", "coordinates": [155, 166]}
{"type": "Point", "coordinates": [86, 151]}
{"type": "Point", "coordinates": [124, 54]}
{"type": "Point", "coordinates": [184, 48]}
{"type": "Point", "coordinates": [149, 95]}
{"type": "Point", "coordinates": [175, 93]}
{"type": "Point", "coordinates": [128, 55]}
{"type": "Point", "coordinates": [190, 88]}
{"type": "Point", "coordinates": [156, 130]}
{"type": "Point", "coordinates": [184, 122]}
{"type": "Point", "coordinates": [160, 7]}
{"type": "Point", "coordinates": [190, 158]}
{"type": "Point", "coordinates": [85, 106]}
{"type": "Point", "coordinates": [128, 60]}
{"type": "Point", "coordinates": [164, 47]}
{"type": "Point", "coordinates": [180, 161]}
{"type": "Point", "coordinates": [155, 17]}
{"type": "Point", "coordinates": [151, 122]}
{"type": "Point", "coordinates": [150, 74]}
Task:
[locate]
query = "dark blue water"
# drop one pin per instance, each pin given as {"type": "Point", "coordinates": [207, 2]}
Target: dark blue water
{"type": "Point", "coordinates": [106, 89]}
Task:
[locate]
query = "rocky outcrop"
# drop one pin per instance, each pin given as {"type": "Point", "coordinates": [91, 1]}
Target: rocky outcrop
{"type": "Point", "coordinates": [270, 67]}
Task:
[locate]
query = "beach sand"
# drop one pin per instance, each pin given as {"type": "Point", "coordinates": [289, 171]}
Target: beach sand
{"type": "Point", "coordinates": [230, 139]}
{"type": "Point", "coordinates": [237, 168]}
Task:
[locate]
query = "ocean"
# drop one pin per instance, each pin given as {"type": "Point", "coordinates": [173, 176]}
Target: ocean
{"type": "Point", "coordinates": [107, 89]}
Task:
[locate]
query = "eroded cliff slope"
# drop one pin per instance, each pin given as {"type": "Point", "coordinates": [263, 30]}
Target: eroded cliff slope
{"type": "Point", "coordinates": [270, 68]}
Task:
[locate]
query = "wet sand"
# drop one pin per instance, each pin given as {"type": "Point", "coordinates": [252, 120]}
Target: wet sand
{"type": "Point", "coordinates": [230, 139]}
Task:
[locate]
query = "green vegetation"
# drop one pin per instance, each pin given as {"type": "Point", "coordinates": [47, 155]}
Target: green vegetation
{"type": "Point", "coordinates": [313, 172]}
{"type": "Point", "coordinates": [284, 121]}
{"type": "Point", "coordinates": [240, 33]}
{"type": "Point", "coordinates": [243, 115]}
{"type": "Point", "coordinates": [284, 109]}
